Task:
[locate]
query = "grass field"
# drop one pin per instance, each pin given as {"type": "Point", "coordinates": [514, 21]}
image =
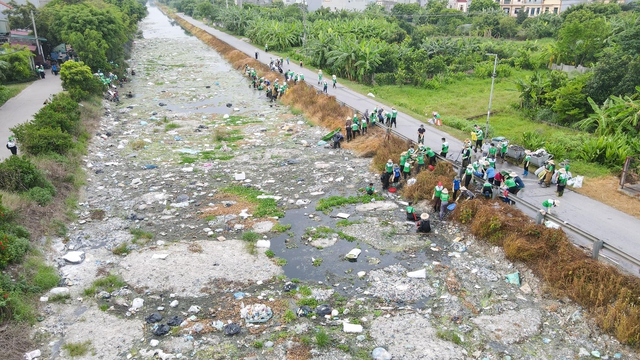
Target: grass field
{"type": "Point", "coordinates": [9, 91]}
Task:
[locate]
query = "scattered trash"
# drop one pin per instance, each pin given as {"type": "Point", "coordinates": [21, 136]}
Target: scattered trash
{"type": "Point", "coordinates": [595, 354]}
{"type": "Point", "coordinates": [459, 247]}
{"type": "Point", "coordinates": [149, 167]}
{"type": "Point", "coordinates": [353, 254]}
{"type": "Point", "coordinates": [371, 95]}
{"type": "Point", "coordinates": [229, 105]}
{"type": "Point", "coordinates": [189, 151]}
{"type": "Point", "coordinates": [513, 278]}
{"type": "Point", "coordinates": [411, 181]}
{"type": "Point", "coordinates": [451, 207]}
{"type": "Point", "coordinates": [418, 274]}
{"type": "Point", "coordinates": [161, 330]}
{"type": "Point", "coordinates": [231, 329]}
{"type": "Point", "coordinates": [153, 318]}
{"type": "Point", "coordinates": [177, 138]}
{"type": "Point", "coordinates": [303, 311]}
{"type": "Point", "coordinates": [551, 225]}
{"type": "Point", "coordinates": [240, 176]}
{"type": "Point", "coordinates": [289, 286]}
{"type": "Point", "coordinates": [322, 143]}
{"type": "Point", "coordinates": [218, 325]}
{"type": "Point", "coordinates": [380, 354]}
{"type": "Point", "coordinates": [263, 244]}
{"type": "Point", "coordinates": [174, 321]}
{"type": "Point", "coordinates": [351, 328]}
{"type": "Point", "coordinates": [31, 355]}
{"type": "Point", "coordinates": [256, 313]}
{"type": "Point", "coordinates": [343, 215]}
{"type": "Point", "coordinates": [323, 310]}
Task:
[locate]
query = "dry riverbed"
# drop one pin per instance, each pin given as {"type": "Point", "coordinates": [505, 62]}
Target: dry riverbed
{"type": "Point", "coordinates": [181, 226]}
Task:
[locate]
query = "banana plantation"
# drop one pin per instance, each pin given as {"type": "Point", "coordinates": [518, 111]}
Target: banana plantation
{"type": "Point", "coordinates": [433, 47]}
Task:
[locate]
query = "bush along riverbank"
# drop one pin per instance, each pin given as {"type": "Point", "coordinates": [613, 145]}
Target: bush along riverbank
{"type": "Point", "coordinates": [39, 190]}
{"type": "Point", "coordinates": [610, 296]}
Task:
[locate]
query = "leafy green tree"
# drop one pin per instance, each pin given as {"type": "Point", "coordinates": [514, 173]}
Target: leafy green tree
{"type": "Point", "coordinates": [507, 27]}
{"type": "Point", "coordinates": [483, 5]}
{"type": "Point", "coordinates": [522, 16]}
{"type": "Point", "coordinates": [17, 60]}
{"type": "Point", "coordinates": [97, 34]}
{"type": "Point", "coordinates": [20, 16]}
{"type": "Point", "coordinates": [616, 73]}
{"type": "Point", "coordinates": [570, 104]}
{"type": "Point", "coordinates": [78, 80]}
{"type": "Point", "coordinates": [582, 38]}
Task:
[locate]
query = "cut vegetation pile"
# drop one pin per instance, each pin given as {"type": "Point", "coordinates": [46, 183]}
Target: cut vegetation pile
{"type": "Point", "coordinates": [427, 180]}
{"type": "Point", "coordinates": [612, 297]}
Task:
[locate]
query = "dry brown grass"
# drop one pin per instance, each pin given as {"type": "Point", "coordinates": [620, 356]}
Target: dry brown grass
{"type": "Point", "coordinates": [389, 149]}
{"type": "Point", "coordinates": [612, 297]}
{"type": "Point", "coordinates": [427, 180]}
{"type": "Point", "coordinates": [14, 341]}
{"type": "Point", "coordinates": [605, 190]}
{"type": "Point", "coordinates": [220, 209]}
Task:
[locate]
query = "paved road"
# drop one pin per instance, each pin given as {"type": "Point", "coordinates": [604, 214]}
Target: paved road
{"type": "Point", "coordinates": [616, 228]}
{"type": "Point", "coordinates": [22, 107]}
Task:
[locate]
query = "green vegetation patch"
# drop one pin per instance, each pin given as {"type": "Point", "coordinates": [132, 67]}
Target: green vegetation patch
{"type": "Point", "coordinates": [108, 283]}
{"type": "Point", "coordinates": [77, 349]}
{"type": "Point", "coordinates": [324, 231]}
{"type": "Point", "coordinates": [265, 207]}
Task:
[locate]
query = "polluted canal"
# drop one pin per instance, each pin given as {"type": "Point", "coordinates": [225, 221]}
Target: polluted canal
{"type": "Point", "coordinates": [212, 226]}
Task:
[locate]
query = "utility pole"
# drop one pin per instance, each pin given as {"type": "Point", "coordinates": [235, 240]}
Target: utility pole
{"type": "Point", "coordinates": [35, 32]}
{"type": "Point", "coordinates": [493, 80]}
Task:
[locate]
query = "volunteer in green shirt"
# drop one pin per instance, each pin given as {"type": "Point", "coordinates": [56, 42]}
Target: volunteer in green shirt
{"type": "Point", "coordinates": [445, 148]}
{"type": "Point", "coordinates": [403, 158]}
{"type": "Point", "coordinates": [468, 175]}
{"type": "Point", "coordinates": [444, 201]}
{"type": "Point", "coordinates": [389, 167]}
{"type": "Point", "coordinates": [432, 156]}
{"type": "Point", "coordinates": [364, 126]}
{"type": "Point", "coordinates": [420, 158]}
{"type": "Point", "coordinates": [354, 129]}
{"type": "Point", "coordinates": [370, 189]}
{"type": "Point", "coordinates": [479, 138]}
{"type": "Point", "coordinates": [562, 181]}
{"type": "Point", "coordinates": [548, 204]}
{"type": "Point", "coordinates": [394, 116]}
{"type": "Point", "coordinates": [437, 191]}
{"type": "Point", "coordinates": [406, 171]}
{"type": "Point", "coordinates": [503, 150]}
{"type": "Point", "coordinates": [411, 213]}
{"type": "Point", "coordinates": [527, 161]}
{"type": "Point", "coordinates": [493, 150]}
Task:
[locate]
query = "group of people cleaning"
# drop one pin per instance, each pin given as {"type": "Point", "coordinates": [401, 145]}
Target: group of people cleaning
{"type": "Point", "coordinates": [415, 157]}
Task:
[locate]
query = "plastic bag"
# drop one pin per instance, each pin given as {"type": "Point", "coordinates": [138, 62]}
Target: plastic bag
{"type": "Point", "coordinates": [513, 278]}
{"type": "Point", "coordinates": [578, 181]}
{"type": "Point", "coordinates": [174, 321]}
{"type": "Point", "coordinates": [289, 286]}
{"type": "Point", "coordinates": [323, 310]}
{"type": "Point", "coordinates": [231, 329]}
{"type": "Point", "coordinates": [303, 311]}
{"type": "Point", "coordinates": [153, 318]}
{"type": "Point", "coordinates": [161, 330]}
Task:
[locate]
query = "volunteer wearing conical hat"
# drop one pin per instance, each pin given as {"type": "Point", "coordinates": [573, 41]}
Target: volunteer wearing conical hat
{"type": "Point", "coordinates": [527, 161]}
{"type": "Point", "coordinates": [548, 204]}
{"type": "Point", "coordinates": [468, 174]}
{"type": "Point", "coordinates": [465, 194]}
{"type": "Point", "coordinates": [423, 225]}
{"type": "Point", "coordinates": [562, 182]}
{"type": "Point", "coordinates": [389, 166]}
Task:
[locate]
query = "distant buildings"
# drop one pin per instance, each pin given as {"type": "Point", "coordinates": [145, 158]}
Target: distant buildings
{"type": "Point", "coordinates": [510, 7]}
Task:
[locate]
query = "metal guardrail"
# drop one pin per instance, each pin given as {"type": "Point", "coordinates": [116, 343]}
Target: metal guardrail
{"type": "Point", "coordinates": [597, 244]}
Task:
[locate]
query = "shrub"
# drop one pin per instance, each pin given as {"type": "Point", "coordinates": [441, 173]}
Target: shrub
{"type": "Point", "coordinates": [78, 80]}
{"type": "Point", "coordinates": [63, 112]}
{"type": "Point", "coordinates": [12, 249]}
{"type": "Point", "coordinates": [19, 174]}
{"type": "Point", "coordinates": [37, 140]}
{"type": "Point", "coordinates": [40, 195]}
